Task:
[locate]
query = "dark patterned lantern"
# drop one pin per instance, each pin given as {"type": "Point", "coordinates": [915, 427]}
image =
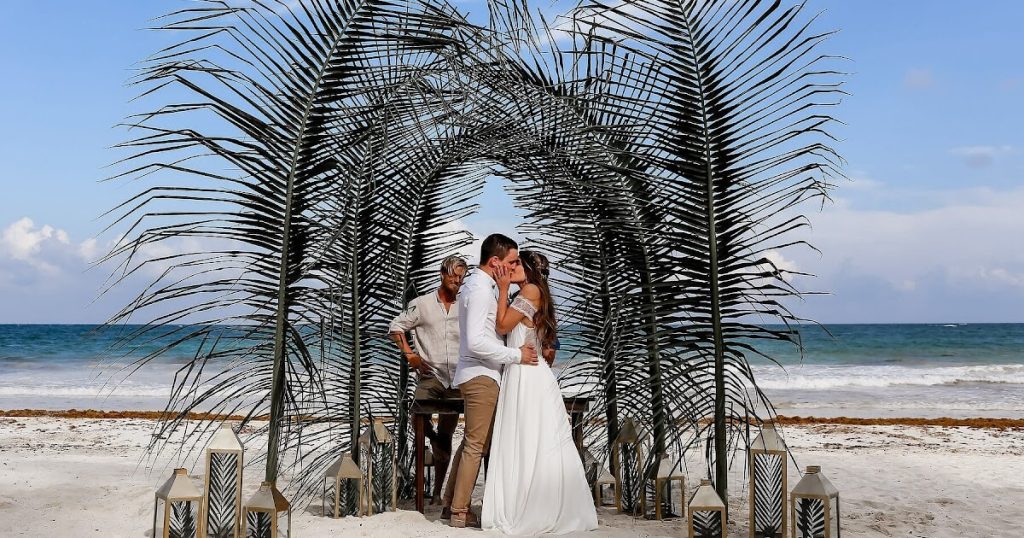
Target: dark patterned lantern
{"type": "Point", "coordinates": [267, 514]}
{"type": "Point", "coordinates": [768, 484]}
{"type": "Point", "coordinates": [627, 466]}
{"type": "Point", "coordinates": [668, 473]}
{"type": "Point", "coordinates": [222, 500]}
{"type": "Point", "coordinates": [706, 515]}
{"type": "Point", "coordinates": [177, 507]}
{"type": "Point", "coordinates": [377, 460]}
{"type": "Point", "coordinates": [814, 506]}
{"type": "Point", "coordinates": [343, 488]}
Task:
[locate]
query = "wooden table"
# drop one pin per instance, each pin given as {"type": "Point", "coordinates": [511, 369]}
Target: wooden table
{"type": "Point", "coordinates": [423, 410]}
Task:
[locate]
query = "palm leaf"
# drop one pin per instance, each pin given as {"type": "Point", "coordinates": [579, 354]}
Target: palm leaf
{"type": "Point", "coordinates": [323, 150]}
{"type": "Point", "coordinates": [738, 92]}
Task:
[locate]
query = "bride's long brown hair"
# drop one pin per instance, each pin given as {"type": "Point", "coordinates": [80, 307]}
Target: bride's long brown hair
{"type": "Point", "coordinates": [535, 265]}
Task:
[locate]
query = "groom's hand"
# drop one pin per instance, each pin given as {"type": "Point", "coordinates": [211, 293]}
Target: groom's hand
{"type": "Point", "coordinates": [527, 355]}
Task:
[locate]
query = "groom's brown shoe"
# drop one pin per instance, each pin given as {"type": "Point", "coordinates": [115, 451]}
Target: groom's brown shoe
{"type": "Point", "coordinates": [446, 512]}
{"type": "Point", "coordinates": [463, 519]}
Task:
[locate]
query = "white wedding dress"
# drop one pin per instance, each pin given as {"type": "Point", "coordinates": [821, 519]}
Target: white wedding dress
{"type": "Point", "coordinates": [535, 479]}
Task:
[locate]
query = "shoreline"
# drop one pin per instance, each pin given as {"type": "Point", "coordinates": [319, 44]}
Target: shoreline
{"type": "Point", "coordinates": [786, 420]}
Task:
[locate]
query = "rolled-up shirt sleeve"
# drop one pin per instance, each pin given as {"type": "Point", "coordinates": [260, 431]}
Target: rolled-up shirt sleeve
{"type": "Point", "coordinates": [407, 320]}
{"type": "Point", "coordinates": [482, 340]}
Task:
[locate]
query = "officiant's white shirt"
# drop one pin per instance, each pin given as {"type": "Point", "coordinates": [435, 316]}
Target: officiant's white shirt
{"type": "Point", "coordinates": [481, 350]}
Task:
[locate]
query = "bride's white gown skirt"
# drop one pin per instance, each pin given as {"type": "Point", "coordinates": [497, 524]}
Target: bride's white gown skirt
{"type": "Point", "coordinates": [535, 479]}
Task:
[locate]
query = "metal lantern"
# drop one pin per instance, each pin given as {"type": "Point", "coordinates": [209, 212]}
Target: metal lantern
{"type": "Point", "coordinates": [267, 514]}
{"type": "Point", "coordinates": [706, 514]}
{"type": "Point", "coordinates": [178, 501]}
{"type": "Point", "coordinates": [768, 484]}
{"type": "Point", "coordinates": [222, 501]}
{"type": "Point", "coordinates": [428, 472]}
{"type": "Point", "coordinates": [377, 462]}
{"type": "Point", "coordinates": [668, 472]}
{"type": "Point", "coordinates": [605, 479]}
{"type": "Point", "coordinates": [343, 488]}
{"type": "Point", "coordinates": [627, 466]}
{"type": "Point", "coordinates": [814, 506]}
{"type": "Point", "coordinates": [591, 467]}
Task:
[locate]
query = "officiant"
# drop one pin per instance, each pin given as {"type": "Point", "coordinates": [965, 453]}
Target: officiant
{"type": "Point", "coordinates": [434, 324]}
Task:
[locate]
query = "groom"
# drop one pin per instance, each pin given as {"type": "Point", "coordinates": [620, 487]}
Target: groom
{"type": "Point", "coordinates": [482, 353]}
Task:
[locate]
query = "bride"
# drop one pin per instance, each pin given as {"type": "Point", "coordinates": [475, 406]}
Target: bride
{"type": "Point", "coordinates": [535, 479]}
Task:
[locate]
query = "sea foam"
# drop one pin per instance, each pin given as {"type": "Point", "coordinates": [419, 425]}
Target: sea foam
{"type": "Point", "coordinates": [821, 377]}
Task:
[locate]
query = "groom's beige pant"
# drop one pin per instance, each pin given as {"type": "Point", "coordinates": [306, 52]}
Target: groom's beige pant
{"type": "Point", "coordinates": [481, 398]}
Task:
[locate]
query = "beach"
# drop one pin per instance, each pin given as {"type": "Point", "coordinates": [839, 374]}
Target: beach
{"type": "Point", "coordinates": [921, 428]}
{"type": "Point", "coordinates": [92, 477]}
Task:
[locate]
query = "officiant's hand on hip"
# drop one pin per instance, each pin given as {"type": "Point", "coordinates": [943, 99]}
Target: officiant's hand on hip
{"type": "Point", "coordinates": [527, 355]}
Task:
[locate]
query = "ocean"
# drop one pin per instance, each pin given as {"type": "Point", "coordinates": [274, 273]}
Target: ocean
{"type": "Point", "coordinates": [908, 370]}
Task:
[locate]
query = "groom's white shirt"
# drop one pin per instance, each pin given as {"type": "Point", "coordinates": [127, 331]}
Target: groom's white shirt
{"type": "Point", "coordinates": [481, 350]}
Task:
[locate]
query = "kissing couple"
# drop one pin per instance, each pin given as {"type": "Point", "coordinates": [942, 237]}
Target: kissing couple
{"type": "Point", "coordinates": [535, 480]}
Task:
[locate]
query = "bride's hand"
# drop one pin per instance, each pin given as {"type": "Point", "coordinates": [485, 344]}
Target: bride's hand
{"type": "Point", "coordinates": [503, 277]}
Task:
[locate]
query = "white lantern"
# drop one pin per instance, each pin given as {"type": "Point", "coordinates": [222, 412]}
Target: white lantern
{"type": "Point", "coordinates": [627, 466]}
{"type": "Point", "coordinates": [267, 514]}
{"type": "Point", "coordinates": [177, 506]}
{"type": "Point", "coordinates": [343, 488]}
{"type": "Point", "coordinates": [377, 460]}
{"type": "Point", "coordinates": [668, 473]}
{"type": "Point", "coordinates": [706, 514]}
{"type": "Point", "coordinates": [814, 506]}
{"type": "Point", "coordinates": [605, 479]}
{"type": "Point", "coordinates": [768, 484]}
{"type": "Point", "coordinates": [222, 501]}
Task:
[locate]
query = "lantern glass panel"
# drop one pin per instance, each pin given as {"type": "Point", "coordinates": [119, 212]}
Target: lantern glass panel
{"type": "Point", "coordinates": [707, 523]}
{"type": "Point", "coordinates": [810, 517]}
{"type": "Point", "coordinates": [259, 524]}
{"type": "Point", "coordinates": [630, 476]}
{"type": "Point", "coordinates": [834, 516]}
{"type": "Point", "coordinates": [377, 462]}
{"type": "Point", "coordinates": [184, 519]}
{"type": "Point", "coordinates": [768, 493]}
{"type": "Point", "coordinates": [383, 455]}
{"type": "Point", "coordinates": [347, 491]}
{"type": "Point", "coordinates": [223, 495]}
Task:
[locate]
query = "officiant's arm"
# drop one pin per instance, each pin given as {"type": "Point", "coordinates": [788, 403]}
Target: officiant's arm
{"type": "Point", "coordinates": [482, 345]}
{"type": "Point", "coordinates": [407, 321]}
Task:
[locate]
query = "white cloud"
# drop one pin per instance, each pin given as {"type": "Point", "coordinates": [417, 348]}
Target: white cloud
{"type": "Point", "coordinates": [981, 156]}
{"type": "Point", "coordinates": [959, 259]}
{"type": "Point", "coordinates": [23, 242]}
{"type": "Point", "coordinates": [784, 265]}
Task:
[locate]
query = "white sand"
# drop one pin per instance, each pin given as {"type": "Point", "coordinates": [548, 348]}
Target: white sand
{"type": "Point", "coordinates": [87, 477]}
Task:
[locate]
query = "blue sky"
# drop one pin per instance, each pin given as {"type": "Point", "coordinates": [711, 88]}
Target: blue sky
{"type": "Point", "coordinates": [929, 230]}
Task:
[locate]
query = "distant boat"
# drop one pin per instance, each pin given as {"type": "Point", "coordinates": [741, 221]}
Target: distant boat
{"type": "Point", "coordinates": [951, 325]}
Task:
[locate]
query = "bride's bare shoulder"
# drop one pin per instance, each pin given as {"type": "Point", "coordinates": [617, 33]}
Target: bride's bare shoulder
{"type": "Point", "coordinates": [530, 291]}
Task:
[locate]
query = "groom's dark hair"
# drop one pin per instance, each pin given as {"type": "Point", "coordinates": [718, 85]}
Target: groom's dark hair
{"type": "Point", "coordinates": [496, 245]}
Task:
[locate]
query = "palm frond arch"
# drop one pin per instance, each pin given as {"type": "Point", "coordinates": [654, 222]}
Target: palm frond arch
{"type": "Point", "coordinates": [657, 148]}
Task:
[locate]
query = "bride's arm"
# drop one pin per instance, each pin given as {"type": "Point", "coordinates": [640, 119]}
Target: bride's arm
{"type": "Point", "coordinates": [503, 310]}
{"type": "Point", "coordinates": [508, 317]}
